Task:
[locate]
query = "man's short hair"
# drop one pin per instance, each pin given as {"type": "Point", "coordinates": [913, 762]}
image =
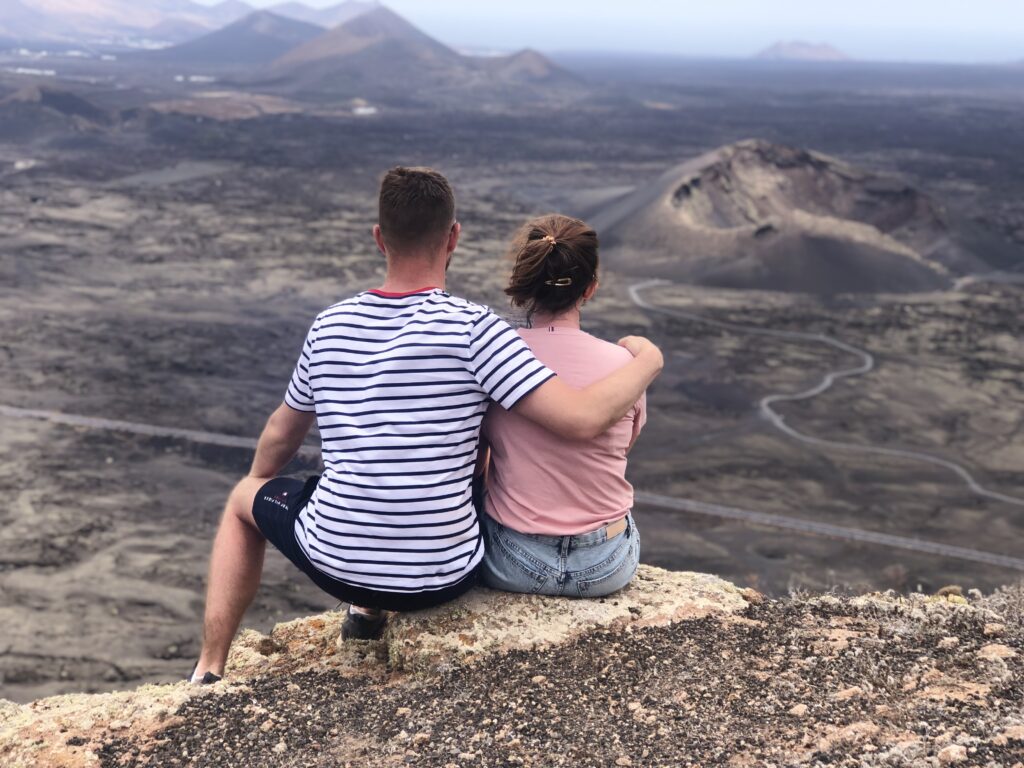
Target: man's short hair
{"type": "Point", "coordinates": [417, 208]}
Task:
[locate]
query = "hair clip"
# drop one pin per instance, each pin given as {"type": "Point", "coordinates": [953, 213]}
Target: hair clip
{"type": "Point", "coordinates": [562, 282]}
{"type": "Point", "coordinates": [550, 239]}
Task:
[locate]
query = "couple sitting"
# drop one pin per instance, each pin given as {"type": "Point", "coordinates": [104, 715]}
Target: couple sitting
{"type": "Point", "coordinates": [401, 382]}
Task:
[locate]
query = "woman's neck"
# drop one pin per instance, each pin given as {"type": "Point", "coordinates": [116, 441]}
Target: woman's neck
{"type": "Point", "coordinates": [568, 319]}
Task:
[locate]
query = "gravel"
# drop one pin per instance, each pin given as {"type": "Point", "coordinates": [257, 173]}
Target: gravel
{"type": "Point", "coordinates": [761, 691]}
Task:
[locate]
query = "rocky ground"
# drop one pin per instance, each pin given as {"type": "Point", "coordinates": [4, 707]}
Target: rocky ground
{"type": "Point", "coordinates": [677, 670]}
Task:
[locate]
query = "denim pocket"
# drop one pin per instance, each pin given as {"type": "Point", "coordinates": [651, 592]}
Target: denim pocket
{"type": "Point", "coordinates": [508, 566]}
{"type": "Point", "coordinates": [614, 572]}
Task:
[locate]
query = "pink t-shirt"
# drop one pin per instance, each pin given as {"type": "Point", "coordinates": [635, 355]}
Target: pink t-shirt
{"type": "Point", "coordinates": [541, 483]}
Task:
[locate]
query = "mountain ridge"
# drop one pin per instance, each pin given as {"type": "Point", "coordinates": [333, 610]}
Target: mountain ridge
{"type": "Point", "coordinates": [330, 16]}
{"type": "Point", "coordinates": [255, 40]}
{"type": "Point", "coordinates": [376, 27]}
{"type": "Point", "coordinates": [381, 56]}
{"type": "Point", "coordinates": [529, 66]}
{"type": "Point", "coordinates": [84, 20]}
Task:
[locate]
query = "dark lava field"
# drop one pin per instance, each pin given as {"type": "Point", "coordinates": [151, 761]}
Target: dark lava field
{"type": "Point", "coordinates": [160, 265]}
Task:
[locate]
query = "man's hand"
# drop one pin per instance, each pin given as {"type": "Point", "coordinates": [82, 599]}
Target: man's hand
{"type": "Point", "coordinates": [584, 414]}
{"type": "Point", "coordinates": [637, 345]}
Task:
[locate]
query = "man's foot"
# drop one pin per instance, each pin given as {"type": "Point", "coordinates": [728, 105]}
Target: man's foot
{"type": "Point", "coordinates": [362, 625]}
{"type": "Point", "coordinates": [207, 678]}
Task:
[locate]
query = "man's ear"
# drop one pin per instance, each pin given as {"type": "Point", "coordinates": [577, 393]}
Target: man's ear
{"type": "Point", "coordinates": [379, 239]}
{"type": "Point", "coordinates": [453, 237]}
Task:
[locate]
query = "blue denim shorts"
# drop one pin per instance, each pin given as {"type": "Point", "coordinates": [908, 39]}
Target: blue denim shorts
{"type": "Point", "coordinates": [587, 565]}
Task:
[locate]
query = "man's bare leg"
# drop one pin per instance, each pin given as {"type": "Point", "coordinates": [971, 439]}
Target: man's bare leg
{"type": "Point", "coordinates": [236, 565]}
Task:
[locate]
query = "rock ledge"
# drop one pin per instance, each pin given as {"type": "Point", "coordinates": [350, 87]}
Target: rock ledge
{"type": "Point", "coordinates": [679, 669]}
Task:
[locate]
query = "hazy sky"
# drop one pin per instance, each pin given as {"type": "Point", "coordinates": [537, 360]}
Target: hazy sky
{"type": "Point", "coordinates": [944, 30]}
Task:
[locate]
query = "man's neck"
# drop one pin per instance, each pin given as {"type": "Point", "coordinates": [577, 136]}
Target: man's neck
{"type": "Point", "coordinates": [568, 319]}
{"type": "Point", "coordinates": [414, 275]}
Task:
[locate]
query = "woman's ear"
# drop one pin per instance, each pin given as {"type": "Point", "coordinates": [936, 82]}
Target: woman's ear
{"type": "Point", "coordinates": [591, 290]}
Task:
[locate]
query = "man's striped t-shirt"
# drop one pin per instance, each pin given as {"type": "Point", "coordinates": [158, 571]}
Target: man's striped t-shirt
{"type": "Point", "coordinates": [400, 384]}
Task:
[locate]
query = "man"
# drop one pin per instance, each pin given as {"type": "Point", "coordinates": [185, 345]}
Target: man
{"type": "Point", "coordinates": [398, 380]}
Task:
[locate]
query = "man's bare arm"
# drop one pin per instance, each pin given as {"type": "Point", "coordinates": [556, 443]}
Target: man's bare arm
{"type": "Point", "coordinates": [282, 437]}
{"type": "Point", "coordinates": [583, 414]}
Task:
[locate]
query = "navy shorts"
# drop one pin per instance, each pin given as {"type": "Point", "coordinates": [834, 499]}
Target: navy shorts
{"type": "Point", "coordinates": [277, 505]}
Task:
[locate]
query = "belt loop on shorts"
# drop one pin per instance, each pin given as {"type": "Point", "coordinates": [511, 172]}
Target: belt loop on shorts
{"type": "Point", "coordinates": [565, 546]}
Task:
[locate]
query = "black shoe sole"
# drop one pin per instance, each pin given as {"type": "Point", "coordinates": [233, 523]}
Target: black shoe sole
{"type": "Point", "coordinates": [359, 627]}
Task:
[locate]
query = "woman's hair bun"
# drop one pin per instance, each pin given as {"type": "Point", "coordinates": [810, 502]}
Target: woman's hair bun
{"type": "Point", "coordinates": [554, 263]}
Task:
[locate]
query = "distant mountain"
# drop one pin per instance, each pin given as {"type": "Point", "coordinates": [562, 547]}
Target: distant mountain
{"type": "Point", "coordinates": [528, 67]}
{"type": "Point", "coordinates": [801, 51]}
{"type": "Point", "coordinates": [36, 112]}
{"type": "Point", "coordinates": [60, 101]}
{"type": "Point", "coordinates": [228, 11]}
{"type": "Point", "coordinates": [90, 20]}
{"type": "Point", "coordinates": [756, 215]}
{"type": "Point", "coordinates": [177, 30]}
{"type": "Point", "coordinates": [20, 21]}
{"type": "Point", "coordinates": [377, 53]}
{"type": "Point", "coordinates": [325, 17]}
{"type": "Point", "coordinates": [379, 28]}
{"type": "Point", "coordinates": [382, 57]}
{"type": "Point", "coordinates": [256, 40]}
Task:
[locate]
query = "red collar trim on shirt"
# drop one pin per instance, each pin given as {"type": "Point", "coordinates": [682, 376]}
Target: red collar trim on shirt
{"type": "Point", "coordinates": [391, 295]}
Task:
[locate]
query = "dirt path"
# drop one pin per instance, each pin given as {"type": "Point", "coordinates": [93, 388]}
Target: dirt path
{"type": "Point", "coordinates": [135, 428]}
{"type": "Point", "coordinates": [692, 506]}
{"type": "Point", "coordinates": [867, 365]}
{"type": "Point", "coordinates": [812, 527]}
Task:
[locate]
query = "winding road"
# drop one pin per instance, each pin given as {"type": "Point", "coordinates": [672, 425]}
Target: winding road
{"type": "Point", "coordinates": [859, 535]}
{"type": "Point", "coordinates": [691, 506]}
{"type": "Point", "coordinates": [867, 364]}
{"type": "Point", "coordinates": [1006, 278]}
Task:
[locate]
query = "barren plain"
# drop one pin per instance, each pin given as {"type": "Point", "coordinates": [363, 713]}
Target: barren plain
{"type": "Point", "coordinates": [163, 271]}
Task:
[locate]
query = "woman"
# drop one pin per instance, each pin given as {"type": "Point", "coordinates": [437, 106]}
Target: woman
{"type": "Point", "coordinates": [557, 516]}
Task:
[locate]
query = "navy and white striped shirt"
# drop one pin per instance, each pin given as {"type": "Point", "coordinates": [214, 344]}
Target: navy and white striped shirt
{"type": "Point", "coordinates": [400, 384]}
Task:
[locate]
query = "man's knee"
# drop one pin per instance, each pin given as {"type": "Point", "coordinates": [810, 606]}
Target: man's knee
{"type": "Point", "coordinates": [243, 496]}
